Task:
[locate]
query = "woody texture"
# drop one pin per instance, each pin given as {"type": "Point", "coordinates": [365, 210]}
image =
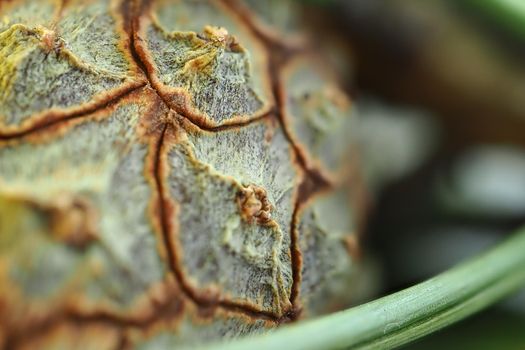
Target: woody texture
{"type": "Point", "coordinates": [171, 173]}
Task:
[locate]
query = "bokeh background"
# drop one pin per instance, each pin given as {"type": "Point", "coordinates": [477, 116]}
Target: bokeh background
{"type": "Point", "coordinates": [439, 87]}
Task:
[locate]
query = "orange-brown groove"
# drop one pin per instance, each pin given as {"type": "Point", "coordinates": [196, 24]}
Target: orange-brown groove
{"type": "Point", "coordinates": [280, 55]}
{"type": "Point", "coordinates": [163, 310]}
{"type": "Point", "coordinates": [314, 181]}
{"type": "Point", "coordinates": [50, 120]}
{"type": "Point", "coordinates": [313, 184]}
{"type": "Point", "coordinates": [141, 58]}
{"type": "Point", "coordinates": [271, 42]}
{"type": "Point", "coordinates": [297, 260]}
{"type": "Point", "coordinates": [173, 260]}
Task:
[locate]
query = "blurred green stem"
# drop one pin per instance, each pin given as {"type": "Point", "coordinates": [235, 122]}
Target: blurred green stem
{"type": "Point", "coordinates": [508, 13]}
{"type": "Point", "coordinates": [402, 317]}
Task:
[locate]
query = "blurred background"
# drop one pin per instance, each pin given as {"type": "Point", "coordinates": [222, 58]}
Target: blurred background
{"type": "Point", "coordinates": [439, 86]}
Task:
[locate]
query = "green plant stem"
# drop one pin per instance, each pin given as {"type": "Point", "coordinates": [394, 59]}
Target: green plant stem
{"type": "Point", "coordinates": [507, 13]}
{"type": "Point", "coordinates": [402, 317]}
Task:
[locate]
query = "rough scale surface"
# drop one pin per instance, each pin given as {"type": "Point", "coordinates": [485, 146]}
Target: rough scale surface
{"type": "Point", "coordinates": [172, 172]}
